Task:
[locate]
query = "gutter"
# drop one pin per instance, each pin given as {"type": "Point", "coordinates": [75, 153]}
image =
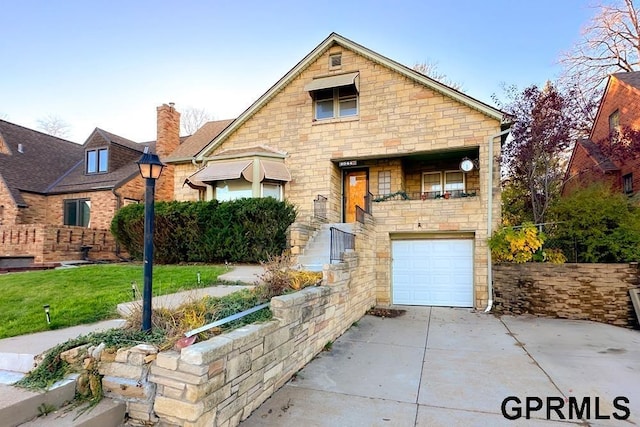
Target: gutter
{"type": "Point", "coordinates": [490, 216]}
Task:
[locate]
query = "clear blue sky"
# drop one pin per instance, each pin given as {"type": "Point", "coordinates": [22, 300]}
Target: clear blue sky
{"type": "Point", "coordinates": [109, 64]}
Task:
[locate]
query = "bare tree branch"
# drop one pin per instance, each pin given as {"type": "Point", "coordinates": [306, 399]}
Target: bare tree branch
{"type": "Point", "coordinates": [430, 69]}
{"type": "Point", "coordinates": [610, 44]}
{"type": "Point", "coordinates": [193, 118]}
{"type": "Point", "coordinates": [54, 125]}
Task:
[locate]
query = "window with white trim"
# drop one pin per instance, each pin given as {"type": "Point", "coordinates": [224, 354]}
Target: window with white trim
{"type": "Point", "coordinates": [335, 102]}
{"type": "Point", "coordinates": [233, 189]}
{"type": "Point", "coordinates": [97, 161]}
{"type": "Point", "coordinates": [438, 183]}
{"type": "Point", "coordinates": [272, 189]}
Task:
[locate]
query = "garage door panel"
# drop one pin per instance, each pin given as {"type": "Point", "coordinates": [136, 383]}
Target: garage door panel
{"type": "Point", "coordinates": [433, 272]}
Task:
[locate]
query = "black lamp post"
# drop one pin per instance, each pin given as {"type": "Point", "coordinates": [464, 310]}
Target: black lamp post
{"type": "Point", "coordinates": [150, 169]}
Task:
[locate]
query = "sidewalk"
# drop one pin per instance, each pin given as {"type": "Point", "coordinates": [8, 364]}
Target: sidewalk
{"type": "Point", "coordinates": [438, 366]}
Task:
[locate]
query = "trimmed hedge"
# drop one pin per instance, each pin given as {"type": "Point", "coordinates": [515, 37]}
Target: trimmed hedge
{"type": "Point", "coordinates": [244, 230]}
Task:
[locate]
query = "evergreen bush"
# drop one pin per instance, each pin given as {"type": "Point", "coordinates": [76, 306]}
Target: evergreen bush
{"type": "Point", "coordinates": [244, 230]}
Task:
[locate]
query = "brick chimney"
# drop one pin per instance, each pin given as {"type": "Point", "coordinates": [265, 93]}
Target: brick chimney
{"type": "Point", "coordinates": [167, 141]}
{"type": "Point", "coordinates": [168, 137]}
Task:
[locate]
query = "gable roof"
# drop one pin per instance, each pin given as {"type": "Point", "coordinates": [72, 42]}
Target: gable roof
{"type": "Point", "coordinates": [333, 39]}
{"type": "Point", "coordinates": [192, 145]}
{"type": "Point", "coordinates": [631, 79]}
{"type": "Point", "coordinates": [75, 179]}
{"type": "Point", "coordinates": [40, 162]}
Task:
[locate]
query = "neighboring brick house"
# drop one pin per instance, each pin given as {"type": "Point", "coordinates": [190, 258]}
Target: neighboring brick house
{"type": "Point", "coordinates": [619, 109]}
{"type": "Point", "coordinates": [52, 184]}
{"type": "Point", "coordinates": [369, 136]}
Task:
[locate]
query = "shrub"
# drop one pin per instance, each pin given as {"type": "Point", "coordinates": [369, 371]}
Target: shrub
{"type": "Point", "coordinates": [516, 245]}
{"type": "Point", "coordinates": [245, 230]}
{"type": "Point", "coordinates": [598, 226]}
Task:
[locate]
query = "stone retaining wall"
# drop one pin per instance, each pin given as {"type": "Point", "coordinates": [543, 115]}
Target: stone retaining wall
{"type": "Point", "coordinates": [598, 292]}
{"type": "Point", "coordinates": [219, 382]}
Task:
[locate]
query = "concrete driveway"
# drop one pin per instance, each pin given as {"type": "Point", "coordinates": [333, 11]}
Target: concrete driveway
{"type": "Point", "coordinates": [454, 367]}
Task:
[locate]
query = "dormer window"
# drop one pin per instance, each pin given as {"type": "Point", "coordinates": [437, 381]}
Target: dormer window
{"type": "Point", "coordinates": [97, 161]}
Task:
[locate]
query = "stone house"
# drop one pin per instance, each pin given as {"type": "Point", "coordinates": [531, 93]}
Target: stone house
{"type": "Point", "coordinates": [57, 196]}
{"type": "Point", "coordinates": [347, 135]}
{"type": "Point", "coordinates": [619, 110]}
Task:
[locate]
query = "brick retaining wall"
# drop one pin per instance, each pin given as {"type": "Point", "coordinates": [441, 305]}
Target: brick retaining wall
{"type": "Point", "coordinates": [598, 292]}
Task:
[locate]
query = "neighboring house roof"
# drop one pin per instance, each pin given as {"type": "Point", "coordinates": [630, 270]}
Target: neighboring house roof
{"type": "Point", "coordinates": [335, 38]}
{"type": "Point", "coordinates": [599, 158]}
{"type": "Point", "coordinates": [41, 160]}
{"type": "Point", "coordinates": [75, 179]}
{"type": "Point", "coordinates": [631, 79]}
{"type": "Point", "coordinates": [193, 144]}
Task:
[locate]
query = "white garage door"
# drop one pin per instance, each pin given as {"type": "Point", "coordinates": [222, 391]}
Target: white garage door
{"type": "Point", "coordinates": [433, 272]}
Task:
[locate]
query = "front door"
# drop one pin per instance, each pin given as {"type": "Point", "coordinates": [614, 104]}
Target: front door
{"type": "Point", "coordinates": [356, 186]}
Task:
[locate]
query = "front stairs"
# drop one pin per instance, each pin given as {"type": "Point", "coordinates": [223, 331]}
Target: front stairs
{"type": "Point", "coordinates": [317, 253]}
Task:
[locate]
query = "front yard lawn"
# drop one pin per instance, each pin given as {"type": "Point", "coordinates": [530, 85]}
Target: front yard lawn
{"type": "Point", "coordinates": [86, 294]}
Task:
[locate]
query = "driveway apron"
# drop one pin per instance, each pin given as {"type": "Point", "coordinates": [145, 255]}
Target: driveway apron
{"type": "Point", "coordinates": [438, 366]}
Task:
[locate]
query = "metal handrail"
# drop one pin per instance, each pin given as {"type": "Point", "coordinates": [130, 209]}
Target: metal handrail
{"type": "Point", "coordinates": [320, 207]}
{"type": "Point", "coordinates": [340, 242]}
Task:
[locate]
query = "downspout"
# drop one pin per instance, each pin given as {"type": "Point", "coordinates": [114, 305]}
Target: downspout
{"type": "Point", "coordinates": [490, 217]}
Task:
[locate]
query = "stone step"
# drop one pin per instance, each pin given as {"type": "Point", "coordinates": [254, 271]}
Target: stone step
{"type": "Point", "coordinates": [107, 413]}
{"type": "Point", "coordinates": [18, 405]}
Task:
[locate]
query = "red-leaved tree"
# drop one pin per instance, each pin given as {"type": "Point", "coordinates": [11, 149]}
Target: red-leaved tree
{"type": "Point", "coordinates": [534, 157]}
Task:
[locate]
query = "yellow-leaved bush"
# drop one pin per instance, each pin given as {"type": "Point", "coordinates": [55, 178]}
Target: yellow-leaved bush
{"type": "Point", "coordinates": [521, 245]}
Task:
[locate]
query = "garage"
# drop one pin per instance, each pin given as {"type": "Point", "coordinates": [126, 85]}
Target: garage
{"type": "Point", "coordinates": [435, 272]}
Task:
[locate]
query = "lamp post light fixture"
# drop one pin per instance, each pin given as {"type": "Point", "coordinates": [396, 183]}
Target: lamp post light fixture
{"type": "Point", "coordinates": [47, 313]}
{"type": "Point", "coordinates": [150, 169]}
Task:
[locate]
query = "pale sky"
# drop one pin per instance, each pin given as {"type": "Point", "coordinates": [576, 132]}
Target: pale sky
{"type": "Point", "coordinates": [109, 64]}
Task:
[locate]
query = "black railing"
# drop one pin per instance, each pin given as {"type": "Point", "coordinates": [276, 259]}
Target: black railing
{"type": "Point", "coordinates": [320, 207]}
{"type": "Point", "coordinates": [428, 195]}
{"type": "Point", "coordinates": [368, 199]}
{"type": "Point", "coordinates": [340, 242]}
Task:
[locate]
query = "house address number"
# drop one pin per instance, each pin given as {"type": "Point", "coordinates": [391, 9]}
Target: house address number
{"type": "Point", "coordinates": [345, 163]}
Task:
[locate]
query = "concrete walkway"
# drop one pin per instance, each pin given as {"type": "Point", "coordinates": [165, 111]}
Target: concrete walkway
{"type": "Point", "coordinates": [454, 367]}
{"type": "Point", "coordinates": [17, 353]}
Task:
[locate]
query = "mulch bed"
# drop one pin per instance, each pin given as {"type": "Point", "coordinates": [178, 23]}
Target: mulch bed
{"type": "Point", "coordinates": [385, 312]}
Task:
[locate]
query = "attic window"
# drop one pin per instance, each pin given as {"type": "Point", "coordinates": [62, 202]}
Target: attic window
{"type": "Point", "coordinates": [335, 60]}
{"type": "Point", "coordinates": [97, 161]}
{"type": "Point", "coordinates": [614, 122]}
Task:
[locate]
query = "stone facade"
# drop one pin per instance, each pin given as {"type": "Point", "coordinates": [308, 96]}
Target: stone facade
{"type": "Point", "coordinates": [598, 292]}
{"type": "Point", "coordinates": [403, 127]}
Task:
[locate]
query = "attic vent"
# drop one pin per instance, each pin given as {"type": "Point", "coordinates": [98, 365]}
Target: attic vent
{"type": "Point", "coordinates": [20, 148]}
{"type": "Point", "coordinates": [335, 60]}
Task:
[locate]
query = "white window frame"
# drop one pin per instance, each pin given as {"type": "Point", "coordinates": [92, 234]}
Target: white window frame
{"type": "Point", "coordinates": [443, 181]}
{"type": "Point", "coordinates": [278, 184]}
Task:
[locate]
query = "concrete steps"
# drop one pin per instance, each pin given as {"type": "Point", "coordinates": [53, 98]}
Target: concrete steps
{"type": "Point", "coordinates": [318, 250]}
{"type": "Point", "coordinates": [20, 407]}
{"type": "Point", "coordinates": [107, 413]}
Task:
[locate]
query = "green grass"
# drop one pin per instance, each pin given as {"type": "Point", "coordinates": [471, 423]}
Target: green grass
{"type": "Point", "coordinates": [85, 294]}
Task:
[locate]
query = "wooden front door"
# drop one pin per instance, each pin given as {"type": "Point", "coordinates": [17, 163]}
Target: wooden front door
{"type": "Point", "coordinates": [356, 186]}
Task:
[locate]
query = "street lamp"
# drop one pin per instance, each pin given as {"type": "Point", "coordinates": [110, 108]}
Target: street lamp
{"type": "Point", "coordinates": [150, 169]}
